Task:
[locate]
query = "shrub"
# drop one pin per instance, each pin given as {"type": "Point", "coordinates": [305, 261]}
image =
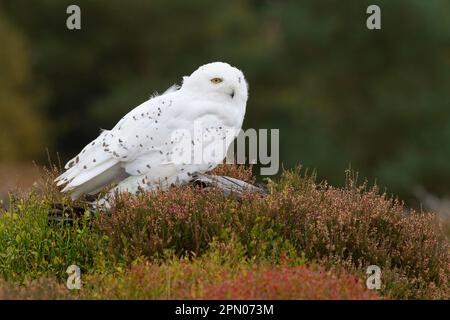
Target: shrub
{"type": "Point", "coordinates": [30, 247]}
{"type": "Point", "coordinates": [354, 226]}
{"type": "Point", "coordinates": [283, 282]}
{"type": "Point", "coordinates": [200, 278]}
{"type": "Point", "coordinates": [244, 173]}
{"type": "Point", "coordinates": [360, 226]}
{"type": "Point", "coordinates": [345, 229]}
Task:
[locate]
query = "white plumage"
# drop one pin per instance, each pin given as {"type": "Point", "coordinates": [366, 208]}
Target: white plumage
{"type": "Point", "coordinates": [144, 148]}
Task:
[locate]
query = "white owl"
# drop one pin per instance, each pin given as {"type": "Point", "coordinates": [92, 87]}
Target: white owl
{"type": "Point", "coordinates": [165, 139]}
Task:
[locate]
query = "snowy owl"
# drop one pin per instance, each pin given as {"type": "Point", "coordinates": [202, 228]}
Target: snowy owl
{"type": "Point", "coordinates": [164, 140]}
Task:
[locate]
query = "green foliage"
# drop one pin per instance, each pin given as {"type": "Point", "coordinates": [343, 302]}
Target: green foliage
{"type": "Point", "coordinates": [300, 222]}
{"type": "Point", "coordinates": [30, 247]}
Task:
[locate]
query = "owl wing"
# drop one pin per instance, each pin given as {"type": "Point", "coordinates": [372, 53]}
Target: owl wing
{"type": "Point", "coordinates": [112, 156]}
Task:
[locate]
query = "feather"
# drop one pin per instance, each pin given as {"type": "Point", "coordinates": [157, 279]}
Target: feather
{"type": "Point", "coordinates": [112, 175]}
{"type": "Point", "coordinates": [172, 88]}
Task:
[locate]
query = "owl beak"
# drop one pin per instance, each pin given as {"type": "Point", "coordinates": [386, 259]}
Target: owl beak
{"type": "Point", "coordinates": [232, 94]}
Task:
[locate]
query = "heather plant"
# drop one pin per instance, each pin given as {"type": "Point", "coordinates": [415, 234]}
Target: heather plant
{"type": "Point", "coordinates": [186, 220]}
{"type": "Point", "coordinates": [354, 226]}
{"type": "Point", "coordinates": [283, 282]}
{"type": "Point", "coordinates": [244, 173]}
{"type": "Point", "coordinates": [358, 226]}
{"type": "Point", "coordinates": [205, 280]}
{"type": "Point", "coordinates": [300, 220]}
{"type": "Point", "coordinates": [221, 273]}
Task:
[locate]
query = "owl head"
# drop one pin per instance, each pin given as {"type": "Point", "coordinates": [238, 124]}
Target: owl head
{"type": "Point", "coordinates": [219, 80]}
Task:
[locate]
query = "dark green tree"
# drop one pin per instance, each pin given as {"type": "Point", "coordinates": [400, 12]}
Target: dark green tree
{"type": "Point", "coordinates": [22, 131]}
{"type": "Point", "coordinates": [340, 93]}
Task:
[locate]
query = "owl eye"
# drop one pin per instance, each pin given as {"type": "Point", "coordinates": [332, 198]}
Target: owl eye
{"type": "Point", "coordinates": [216, 80]}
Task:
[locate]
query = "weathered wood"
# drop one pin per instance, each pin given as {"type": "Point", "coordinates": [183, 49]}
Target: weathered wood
{"type": "Point", "coordinates": [227, 184]}
{"type": "Point", "coordinates": [59, 212]}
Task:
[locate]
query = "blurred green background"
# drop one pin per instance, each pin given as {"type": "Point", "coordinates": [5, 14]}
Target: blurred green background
{"type": "Point", "coordinates": [341, 94]}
